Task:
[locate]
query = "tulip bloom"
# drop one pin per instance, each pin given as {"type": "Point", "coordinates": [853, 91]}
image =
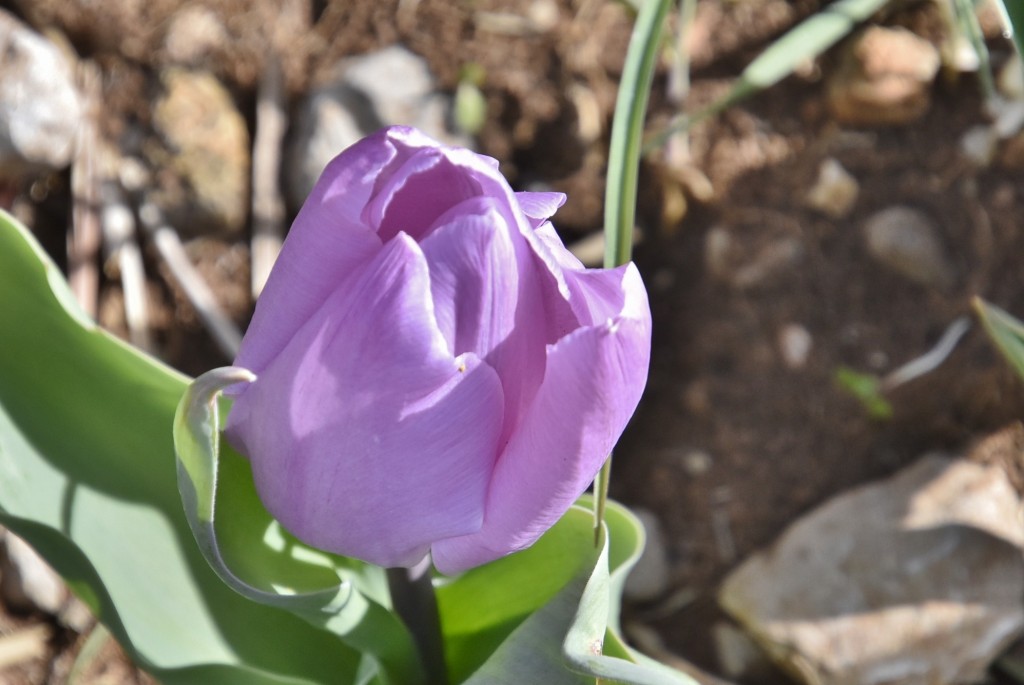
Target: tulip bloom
{"type": "Point", "coordinates": [436, 372]}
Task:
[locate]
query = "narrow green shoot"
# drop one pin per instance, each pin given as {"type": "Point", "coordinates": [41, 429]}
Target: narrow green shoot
{"type": "Point", "coordinates": [624, 166]}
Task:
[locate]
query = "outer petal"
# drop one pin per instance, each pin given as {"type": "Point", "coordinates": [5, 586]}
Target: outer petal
{"type": "Point", "coordinates": [487, 298]}
{"type": "Point", "coordinates": [593, 382]}
{"type": "Point", "coordinates": [539, 207]}
{"type": "Point", "coordinates": [366, 436]}
{"type": "Point", "coordinates": [327, 243]}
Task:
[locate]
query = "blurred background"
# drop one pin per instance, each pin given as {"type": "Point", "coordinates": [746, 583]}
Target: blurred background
{"type": "Point", "coordinates": [827, 456]}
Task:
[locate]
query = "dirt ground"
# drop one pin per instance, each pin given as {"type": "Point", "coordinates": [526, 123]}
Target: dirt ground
{"type": "Point", "coordinates": [730, 443]}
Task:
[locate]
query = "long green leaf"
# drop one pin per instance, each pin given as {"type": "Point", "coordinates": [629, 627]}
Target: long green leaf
{"type": "Point", "coordinates": [805, 41]}
{"type": "Point", "coordinates": [340, 608]}
{"type": "Point", "coordinates": [546, 614]}
{"type": "Point", "coordinates": [1006, 331]}
{"type": "Point", "coordinates": [87, 476]}
{"type": "Point", "coordinates": [624, 164]}
{"type": "Point", "coordinates": [1013, 14]}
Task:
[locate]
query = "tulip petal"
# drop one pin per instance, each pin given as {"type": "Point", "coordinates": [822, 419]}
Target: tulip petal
{"type": "Point", "coordinates": [485, 300]}
{"type": "Point", "coordinates": [592, 385]}
{"type": "Point", "coordinates": [324, 246]}
{"type": "Point", "coordinates": [368, 437]}
{"type": "Point", "coordinates": [430, 182]}
{"type": "Point", "coordinates": [539, 206]}
{"type": "Point", "coordinates": [555, 248]}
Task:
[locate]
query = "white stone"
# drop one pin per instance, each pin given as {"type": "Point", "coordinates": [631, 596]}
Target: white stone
{"type": "Point", "coordinates": [917, 579]}
{"type": "Point", "coordinates": [835, 192]}
{"type": "Point", "coordinates": [795, 343]}
{"type": "Point", "coordinates": [649, 579]}
{"type": "Point", "coordinates": [27, 583]}
{"type": "Point", "coordinates": [979, 143]}
{"type": "Point", "coordinates": [390, 86]}
{"type": "Point", "coordinates": [40, 108]}
{"type": "Point", "coordinates": [907, 242]}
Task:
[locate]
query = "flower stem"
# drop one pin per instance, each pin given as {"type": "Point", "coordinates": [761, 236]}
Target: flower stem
{"type": "Point", "coordinates": [624, 166]}
{"type": "Point", "coordinates": [412, 594]}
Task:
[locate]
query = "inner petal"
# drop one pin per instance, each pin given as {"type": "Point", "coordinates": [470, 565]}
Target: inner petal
{"type": "Point", "coordinates": [419, 192]}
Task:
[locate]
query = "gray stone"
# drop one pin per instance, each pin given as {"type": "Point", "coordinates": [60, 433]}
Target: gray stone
{"type": "Point", "coordinates": [979, 143]}
{"type": "Point", "coordinates": [738, 655]}
{"type": "Point", "coordinates": [884, 78]}
{"type": "Point", "coordinates": [27, 583]}
{"type": "Point", "coordinates": [390, 86]}
{"type": "Point", "coordinates": [202, 182]}
{"type": "Point", "coordinates": [744, 263]}
{"type": "Point", "coordinates": [40, 108]}
{"type": "Point", "coordinates": [906, 241]}
{"type": "Point", "coordinates": [795, 343]}
{"type": "Point", "coordinates": [835, 192]}
{"type": "Point", "coordinates": [193, 34]}
{"type": "Point", "coordinates": [649, 579]}
{"type": "Point", "coordinates": [915, 580]}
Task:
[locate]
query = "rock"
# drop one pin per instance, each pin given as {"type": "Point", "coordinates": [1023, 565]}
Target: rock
{"type": "Point", "coordinates": [40, 108]}
{"type": "Point", "coordinates": [795, 344]}
{"type": "Point", "coordinates": [905, 241]}
{"type": "Point", "coordinates": [914, 580]}
{"type": "Point", "coordinates": [746, 264]}
{"type": "Point", "coordinates": [1010, 79]}
{"type": "Point", "coordinates": [194, 33]}
{"type": "Point", "coordinates": [75, 615]}
{"type": "Point", "coordinates": [649, 579]}
{"type": "Point", "coordinates": [390, 86]}
{"type": "Point", "coordinates": [27, 583]}
{"type": "Point", "coordinates": [835, 192]}
{"type": "Point", "coordinates": [978, 144]}
{"type": "Point", "coordinates": [884, 78]}
{"type": "Point", "coordinates": [202, 182]}
{"type": "Point", "coordinates": [695, 462]}
{"type": "Point", "coordinates": [738, 655]}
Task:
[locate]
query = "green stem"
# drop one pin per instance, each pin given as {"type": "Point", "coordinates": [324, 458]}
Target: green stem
{"type": "Point", "coordinates": [624, 164]}
{"type": "Point", "coordinates": [413, 598]}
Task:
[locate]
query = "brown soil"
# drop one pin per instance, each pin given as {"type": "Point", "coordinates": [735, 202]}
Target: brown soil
{"type": "Point", "coordinates": [730, 444]}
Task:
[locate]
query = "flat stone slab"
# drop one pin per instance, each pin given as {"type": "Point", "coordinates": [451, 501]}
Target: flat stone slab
{"type": "Point", "coordinates": [918, 579]}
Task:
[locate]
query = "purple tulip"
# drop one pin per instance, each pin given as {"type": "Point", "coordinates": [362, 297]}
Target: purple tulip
{"type": "Point", "coordinates": [436, 372]}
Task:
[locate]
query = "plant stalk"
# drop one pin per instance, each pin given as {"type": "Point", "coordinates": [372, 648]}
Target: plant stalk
{"type": "Point", "coordinates": [624, 167]}
{"type": "Point", "coordinates": [413, 599]}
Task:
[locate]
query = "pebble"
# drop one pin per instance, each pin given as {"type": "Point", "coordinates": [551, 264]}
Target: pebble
{"type": "Point", "coordinates": [738, 655]}
{"type": "Point", "coordinates": [907, 242]}
{"type": "Point", "coordinates": [1010, 79]}
{"type": "Point", "coordinates": [834, 192]}
{"type": "Point", "coordinates": [729, 259]}
{"type": "Point", "coordinates": [884, 78]}
{"type": "Point", "coordinates": [202, 183]}
{"type": "Point", "coordinates": [917, 579]}
{"type": "Point", "coordinates": [696, 462]}
{"type": "Point", "coordinates": [978, 144]}
{"type": "Point", "coordinates": [27, 583]}
{"type": "Point", "coordinates": [795, 343]}
{"type": "Point", "coordinates": [40, 107]}
{"type": "Point", "coordinates": [649, 579]}
{"type": "Point", "coordinates": [194, 33]}
{"type": "Point", "coordinates": [390, 86]}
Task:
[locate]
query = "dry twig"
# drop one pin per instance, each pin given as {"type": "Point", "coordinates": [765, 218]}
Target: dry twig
{"type": "Point", "coordinates": [120, 243]}
{"type": "Point", "coordinates": [169, 246]}
{"type": "Point", "coordinates": [267, 204]}
{"type": "Point", "coordinates": [84, 236]}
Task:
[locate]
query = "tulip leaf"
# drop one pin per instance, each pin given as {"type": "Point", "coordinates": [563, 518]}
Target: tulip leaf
{"type": "Point", "coordinates": [802, 43]}
{"type": "Point", "coordinates": [87, 477]}
{"type": "Point", "coordinates": [1006, 331]}
{"type": "Point", "coordinates": [340, 608]}
{"type": "Point", "coordinates": [1013, 19]}
{"type": "Point", "coordinates": [549, 614]}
